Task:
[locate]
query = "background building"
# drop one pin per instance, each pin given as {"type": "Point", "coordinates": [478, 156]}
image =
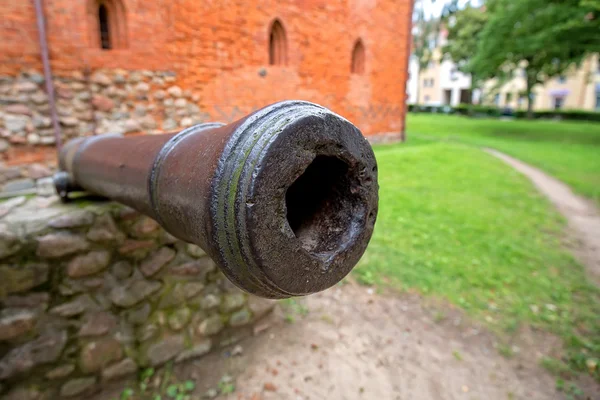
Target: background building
{"type": "Point", "coordinates": [133, 65]}
{"type": "Point", "coordinates": [442, 84]}
{"type": "Point", "coordinates": [579, 89]}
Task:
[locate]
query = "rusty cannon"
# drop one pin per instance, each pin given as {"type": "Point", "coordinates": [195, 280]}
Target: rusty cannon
{"type": "Point", "coordinates": [284, 200]}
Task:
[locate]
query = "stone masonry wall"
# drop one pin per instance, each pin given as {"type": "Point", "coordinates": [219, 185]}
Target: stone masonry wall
{"type": "Point", "coordinates": [91, 292]}
{"type": "Point", "coordinates": [107, 101]}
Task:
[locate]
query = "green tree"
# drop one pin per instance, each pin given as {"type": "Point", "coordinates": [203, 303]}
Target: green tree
{"type": "Point", "coordinates": [583, 30]}
{"type": "Point", "coordinates": [535, 35]}
{"type": "Point", "coordinates": [424, 35]}
{"type": "Point", "coordinates": [464, 28]}
{"type": "Point", "coordinates": [426, 31]}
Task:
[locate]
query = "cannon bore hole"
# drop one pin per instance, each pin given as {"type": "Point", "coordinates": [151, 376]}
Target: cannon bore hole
{"type": "Point", "coordinates": [320, 205]}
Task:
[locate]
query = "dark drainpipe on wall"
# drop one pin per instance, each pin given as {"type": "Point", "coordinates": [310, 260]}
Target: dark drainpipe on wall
{"type": "Point", "coordinates": [39, 14]}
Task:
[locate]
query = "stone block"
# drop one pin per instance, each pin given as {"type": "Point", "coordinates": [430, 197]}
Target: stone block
{"type": "Point", "coordinates": [18, 185]}
{"type": "Point", "coordinates": [61, 371]}
{"type": "Point", "coordinates": [120, 369]}
{"type": "Point", "coordinates": [78, 387]}
{"type": "Point", "coordinates": [10, 242]}
{"type": "Point", "coordinates": [139, 315]}
{"type": "Point", "coordinates": [232, 302]}
{"type": "Point", "coordinates": [210, 301]}
{"type": "Point", "coordinates": [133, 293]}
{"type": "Point", "coordinates": [122, 269]}
{"type": "Point", "coordinates": [43, 350]}
{"type": "Point", "coordinates": [22, 278]}
{"type": "Point", "coordinates": [16, 322]}
{"type": "Point", "coordinates": [88, 264]}
{"type": "Point", "coordinates": [196, 351]}
{"type": "Point", "coordinates": [104, 230]}
{"type": "Point", "coordinates": [59, 244]}
{"type": "Point", "coordinates": [31, 300]}
{"type": "Point", "coordinates": [98, 324]}
{"type": "Point", "coordinates": [175, 91]}
{"type": "Point", "coordinates": [136, 249]}
{"type": "Point", "coordinates": [165, 350]}
{"type": "Point", "coordinates": [156, 261]}
{"type": "Point", "coordinates": [100, 353]}
{"type": "Point", "coordinates": [211, 325]}
{"type": "Point", "coordinates": [75, 307]}
{"type": "Point", "coordinates": [74, 219]}
{"type": "Point", "coordinates": [144, 228]}
{"type": "Point", "coordinates": [179, 318]}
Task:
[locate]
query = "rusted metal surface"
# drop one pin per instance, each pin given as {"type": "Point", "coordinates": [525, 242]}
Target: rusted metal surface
{"type": "Point", "coordinates": [284, 200]}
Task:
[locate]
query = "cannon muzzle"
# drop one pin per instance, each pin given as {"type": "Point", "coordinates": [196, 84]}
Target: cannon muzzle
{"type": "Point", "coordinates": [284, 200]}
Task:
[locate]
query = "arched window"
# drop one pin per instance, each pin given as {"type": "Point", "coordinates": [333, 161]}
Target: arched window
{"type": "Point", "coordinates": [104, 26]}
{"type": "Point", "coordinates": [358, 58]}
{"type": "Point", "coordinates": [108, 22]}
{"type": "Point", "coordinates": [277, 44]}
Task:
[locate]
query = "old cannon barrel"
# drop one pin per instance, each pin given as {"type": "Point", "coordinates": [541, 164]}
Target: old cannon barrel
{"type": "Point", "coordinates": [284, 200]}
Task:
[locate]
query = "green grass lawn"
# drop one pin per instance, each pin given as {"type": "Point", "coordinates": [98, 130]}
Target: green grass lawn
{"type": "Point", "coordinates": [569, 151]}
{"type": "Point", "coordinates": [459, 224]}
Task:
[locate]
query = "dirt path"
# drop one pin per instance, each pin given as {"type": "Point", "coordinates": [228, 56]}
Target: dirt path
{"type": "Point", "coordinates": [582, 216]}
{"type": "Point", "coordinates": [354, 344]}
{"type": "Point", "coordinates": [357, 345]}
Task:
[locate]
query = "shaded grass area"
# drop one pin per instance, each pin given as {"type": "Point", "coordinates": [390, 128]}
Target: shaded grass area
{"type": "Point", "coordinates": [455, 222]}
{"type": "Point", "coordinates": [570, 151]}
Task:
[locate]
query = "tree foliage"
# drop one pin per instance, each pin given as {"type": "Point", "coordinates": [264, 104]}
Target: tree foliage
{"type": "Point", "coordinates": [464, 29]}
{"type": "Point", "coordinates": [543, 37]}
{"type": "Point", "coordinates": [423, 33]}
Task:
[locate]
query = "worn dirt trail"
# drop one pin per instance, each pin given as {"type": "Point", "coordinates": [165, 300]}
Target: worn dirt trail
{"type": "Point", "coordinates": [354, 344]}
{"type": "Point", "coordinates": [582, 216]}
{"type": "Point", "coordinates": [357, 345]}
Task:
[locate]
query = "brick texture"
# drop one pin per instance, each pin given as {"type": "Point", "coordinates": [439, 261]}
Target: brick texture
{"type": "Point", "coordinates": [219, 49]}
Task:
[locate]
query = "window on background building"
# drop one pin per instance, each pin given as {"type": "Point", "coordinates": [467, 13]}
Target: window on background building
{"type": "Point", "coordinates": [562, 79]}
{"type": "Point", "coordinates": [104, 27]}
{"type": "Point", "coordinates": [427, 98]}
{"type": "Point", "coordinates": [598, 100]}
{"type": "Point", "coordinates": [453, 74]}
{"type": "Point", "coordinates": [558, 102]}
{"type": "Point", "coordinates": [358, 58]}
{"type": "Point", "coordinates": [107, 17]}
{"type": "Point", "coordinates": [277, 44]}
{"type": "Point", "coordinates": [497, 99]}
{"type": "Point", "coordinates": [508, 98]}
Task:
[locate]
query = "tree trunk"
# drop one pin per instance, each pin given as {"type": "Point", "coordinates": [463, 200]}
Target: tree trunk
{"type": "Point", "coordinates": [529, 101]}
{"type": "Point", "coordinates": [471, 103]}
{"type": "Point", "coordinates": [418, 85]}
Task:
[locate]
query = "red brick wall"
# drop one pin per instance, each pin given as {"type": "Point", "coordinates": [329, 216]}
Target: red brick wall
{"type": "Point", "coordinates": [219, 49]}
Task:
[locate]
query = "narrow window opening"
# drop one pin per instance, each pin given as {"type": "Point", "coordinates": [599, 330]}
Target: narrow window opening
{"type": "Point", "coordinates": [277, 45]}
{"type": "Point", "coordinates": [104, 27]}
{"type": "Point", "coordinates": [358, 58]}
